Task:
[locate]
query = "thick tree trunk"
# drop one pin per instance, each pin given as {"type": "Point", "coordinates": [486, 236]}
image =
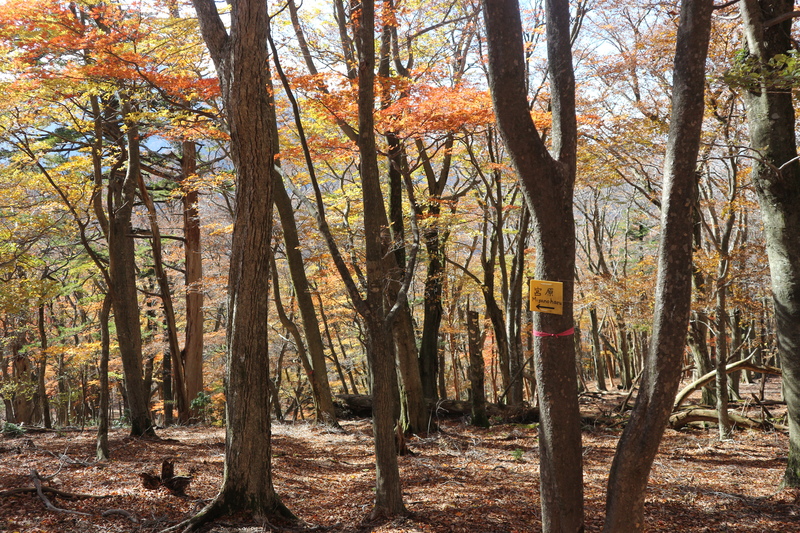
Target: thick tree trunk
{"type": "Point", "coordinates": [776, 173]}
{"type": "Point", "coordinates": [548, 187]}
{"type": "Point", "coordinates": [432, 317]}
{"type": "Point", "coordinates": [638, 445]}
{"type": "Point", "coordinates": [241, 60]}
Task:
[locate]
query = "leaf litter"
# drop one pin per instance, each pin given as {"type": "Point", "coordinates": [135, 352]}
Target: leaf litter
{"type": "Point", "coordinates": [458, 479]}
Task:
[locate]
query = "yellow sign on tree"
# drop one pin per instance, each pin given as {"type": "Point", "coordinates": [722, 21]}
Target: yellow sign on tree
{"type": "Point", "coordinates": [547, 296]}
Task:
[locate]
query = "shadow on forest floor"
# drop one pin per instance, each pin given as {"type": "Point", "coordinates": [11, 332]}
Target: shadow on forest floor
{"type": "Point", "coordinates": [462, 479]}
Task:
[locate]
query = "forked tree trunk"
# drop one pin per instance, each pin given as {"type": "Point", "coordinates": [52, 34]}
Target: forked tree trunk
{"type": "Point", "coordinates": [122, 274]}
{"type": "Point", "coordinates": [638, 445]}
{"type": "Point", "coordinates": [548, 185]}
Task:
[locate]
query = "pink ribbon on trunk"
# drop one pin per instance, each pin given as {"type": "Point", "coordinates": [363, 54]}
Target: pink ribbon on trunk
{"type": "Point", "coordinates": [567, 333]}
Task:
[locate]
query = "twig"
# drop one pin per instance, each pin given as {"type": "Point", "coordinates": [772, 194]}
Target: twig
{"type": "Point", "coordinates": [765, 412]}
{"type": "Point", "coordinates": [56, 492]}
{"type": "Point", "coordinates": [122, 512]}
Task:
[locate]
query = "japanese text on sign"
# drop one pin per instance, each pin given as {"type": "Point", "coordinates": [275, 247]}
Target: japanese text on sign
{"type": "Point", "coordinates": [547, 296]}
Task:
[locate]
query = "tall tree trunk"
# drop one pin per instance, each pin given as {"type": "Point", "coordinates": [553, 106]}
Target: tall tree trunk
{"type": "Point", "coordinates": [623, 351]}
{"type": "Point", "coordinates": [776, 173]}
{"type": "Point", "coordinates": [412, 398]}
{"type": "Point", "coordinates": [721, 380]}
{"type": "Point", "coordinates": [320, 385]}
{"type": "Point", "coordinates": [599, 365]}
{"type": "Point", "coordinates": [380, 349]}
{"type": "Point", "coordinates": [192, 354]}
{"type": "Point", "coordinates": [241, 60]}
{"type": "Point", "coordinates": [44, 403]}
{"type": "Point", "coordinates": [513, 313]}
{"type": "Point", "coordinates": [548, 185]}
{"type": "Point", "coordinates": [698, 344]}
{"type": "Point", "coordinates": [738, 339]}
{"type": "Point", "coordinates": [174, 349]}
{"type": "Point", "coordinates": [638, 445]}
{"type": "Point", "coordinates": [476, 370]}
{"type": "Point", "coordinates": [122, 273]}
{"type": "Point", "coordinates": [103, 453]}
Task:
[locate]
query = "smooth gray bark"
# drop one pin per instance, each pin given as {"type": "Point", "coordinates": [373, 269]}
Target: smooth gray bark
{"type": "Point", "coordinates": [776, 174]}
{"type": "Point", "coordinates": [548, 184]}
{"type": "Point", "coordinates": [638, 445]}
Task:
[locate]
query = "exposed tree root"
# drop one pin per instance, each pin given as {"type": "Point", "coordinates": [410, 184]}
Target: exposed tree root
{"type": "Point", "coordinates": [51, 490]}
{"type": "Point", "coordinates": [40, 491]}
{"type": "Point", "coordinates": [121, 512]}
{"type": "Point", "coordinates": [380, 515]}
{"type": "Point", "coordinates": [220, 507]}
{"type": "Point", "coordinates": [37, 482]}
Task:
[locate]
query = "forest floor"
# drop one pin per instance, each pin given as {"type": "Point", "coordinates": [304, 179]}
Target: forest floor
{"type": "Point", "coordinates": [459, 479]}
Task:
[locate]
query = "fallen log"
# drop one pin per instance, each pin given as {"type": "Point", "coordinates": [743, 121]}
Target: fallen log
{"type": "Point", "coordinates": [683, 418]}
{"type": "Point", "coordinates": [744, 364]}
{"type": "Point", "coordinates": [360, 406]}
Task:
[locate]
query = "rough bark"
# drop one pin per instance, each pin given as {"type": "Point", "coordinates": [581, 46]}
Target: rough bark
{"type": "Point", "coordinates": [776, 174]}
{"type": "Point", "coordinates": [102, 452]}
{"type": "Point", "coordinates": [192, 354]}
{"type": "Point", "coordinates": [476, 371]}
{"type": "Point", "coordinates": [638, 445]}
{"type": "Point", "coordinates": [548, 185]}
{"type": "Point", "coordinates": [241, 60]}
{"type": "Point", "coordinates": [122, 274]}
{"type": "Point", "coordinates": [380, 349]}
